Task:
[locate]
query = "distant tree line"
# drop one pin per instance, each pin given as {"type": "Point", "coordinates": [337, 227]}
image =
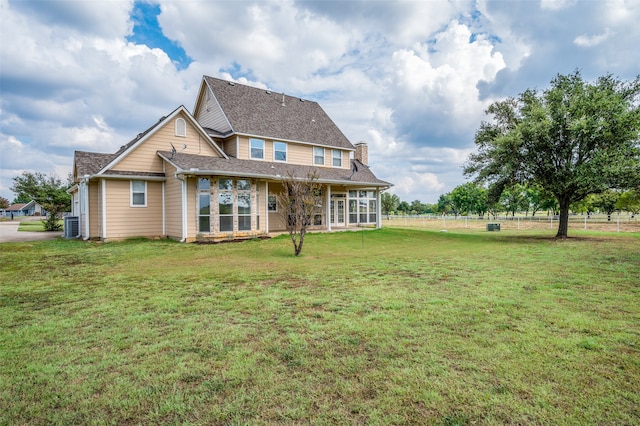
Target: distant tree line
{"type": "Point", "coordinates": [472, 199]}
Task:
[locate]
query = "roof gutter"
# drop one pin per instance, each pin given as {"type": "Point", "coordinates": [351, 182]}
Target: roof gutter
{"type": "Point", "coordinates": [275, 177]}
{"type": "Point", "coordinates": [138, 177]}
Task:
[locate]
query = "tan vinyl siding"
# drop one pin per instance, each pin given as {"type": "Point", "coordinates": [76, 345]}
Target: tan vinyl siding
{"type": "Point", "coordinates": [94, 230]}
{"type": "Point", "coordinates": [173, 203]}
{"type": "Point", "coordinates": [192, 210]}
{"type": "Point", "coordinates": [230, 147]}
{"type": "Point", "coordinates": [300, 154]}
{"type": "Point", "coordinates": [243, 148]}
{"type": "Point", "coordinates": [124, 221]}
{"type": "Point", "coordinates": [144, 158]}
{"type": "Point", "coordinates": [296, 153]}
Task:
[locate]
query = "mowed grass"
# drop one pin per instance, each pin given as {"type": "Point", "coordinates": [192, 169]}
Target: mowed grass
{"type": "Point", "coordinates": [393, 326]}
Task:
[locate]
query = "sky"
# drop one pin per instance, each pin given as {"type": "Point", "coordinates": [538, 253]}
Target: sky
{"type": "Point", "coordinates": [411, 78]}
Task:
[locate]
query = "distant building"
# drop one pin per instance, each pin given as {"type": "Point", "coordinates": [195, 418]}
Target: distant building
{"type": "Point", "coordinates": [31, 208]}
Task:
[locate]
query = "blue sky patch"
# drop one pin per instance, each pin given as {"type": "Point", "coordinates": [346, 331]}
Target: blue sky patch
{"type": "Point", "coordinates": [146, 30]}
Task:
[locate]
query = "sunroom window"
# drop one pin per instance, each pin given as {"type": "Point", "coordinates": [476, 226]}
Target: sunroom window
{"type": "Point", "coordinates": [244, 204]}
{"type": "Point", "coordinates": [225, 204]}
{"type": "Point", "coordinates": [204, 205]}
{"type": "Point", "coordinates": [363, 207]}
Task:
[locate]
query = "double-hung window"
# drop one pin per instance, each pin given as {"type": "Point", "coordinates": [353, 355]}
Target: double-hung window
{"type": "Point", "coordinates": [256, 146]}
{"type": "Point", "coordinates": [336, 156]}
{"type": "Point", "coordinates": [318, 156]}
{"type": "Point", "coordinates": [138, 193]}
{"type": "Point", "coordinates": [280, 151]}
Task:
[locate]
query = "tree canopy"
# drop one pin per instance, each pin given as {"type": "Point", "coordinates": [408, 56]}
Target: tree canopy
{"type": "Point", "coordinates": [573, 139]}
{"type": "Point", "coordinates": [49, 191]}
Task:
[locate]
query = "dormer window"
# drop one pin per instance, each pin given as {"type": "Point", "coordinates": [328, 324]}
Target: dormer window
{"type": "Point", "coordinates": [181, 127]}
{"type": "Point", "coordinates": [279, 151]}
{"type": "Point", "coordinates": [336, 156]}
{"type": "Point", "coordinates": [256, 148]}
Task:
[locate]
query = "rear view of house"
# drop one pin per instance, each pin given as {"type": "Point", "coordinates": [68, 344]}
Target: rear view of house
{"type": "Point", "coordinates": [215, 174]}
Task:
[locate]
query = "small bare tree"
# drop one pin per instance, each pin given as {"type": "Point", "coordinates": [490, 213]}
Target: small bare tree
{"type": "Point", "coordinates": [297, 204]}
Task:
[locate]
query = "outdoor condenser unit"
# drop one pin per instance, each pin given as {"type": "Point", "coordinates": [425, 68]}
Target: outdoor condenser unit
{"type": "Point", "coordinates": [71, 227]}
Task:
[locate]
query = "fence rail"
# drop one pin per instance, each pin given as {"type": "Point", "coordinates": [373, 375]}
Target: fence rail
{"type": "Point", "coordinates": [600, 222]}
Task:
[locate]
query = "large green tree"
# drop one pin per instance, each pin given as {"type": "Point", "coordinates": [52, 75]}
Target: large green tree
{"type": "Point", "coordinates": [630, 201]}
{"type": "Point", "coordinates": [389, 203]}
{"type": "Point", "coordinates": [469, 198]}
{"type": "Point", "coordinates": [48, 191]}
{"type": "Point", "coordinates": [607, 201]}
{"type": "Point", "coordinates": [514, 199]}
{"type": "Point", "coordinates": [573, 139]}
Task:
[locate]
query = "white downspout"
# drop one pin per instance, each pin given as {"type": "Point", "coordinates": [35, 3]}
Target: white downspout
{"type": "Point", "coordinates": [328, 207]}
{"type": "Point", "coordinates": [266, 206]}
{"type": "Point", "coordinates": [85, 201]}
{"type": "Point", "coordinates": [184, 209]}
{"type": "Point", "coordinates": [164, 211]}
{"type": "Point", "coordinates": [378, 209]}
{"type": "Point", "coordinates": [104, 209]}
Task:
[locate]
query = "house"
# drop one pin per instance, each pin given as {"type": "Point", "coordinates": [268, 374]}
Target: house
{"type": "Point", "coordinates": [214, 174]}
{"type": "Point", "coordinates": [32, 208]}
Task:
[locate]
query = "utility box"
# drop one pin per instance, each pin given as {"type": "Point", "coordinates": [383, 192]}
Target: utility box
{"type": "Point", "coordinates": [493, 226]}
{"type": "Point", "coordinates": [71, 227]}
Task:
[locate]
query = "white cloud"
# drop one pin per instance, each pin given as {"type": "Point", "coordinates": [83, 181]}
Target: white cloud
{"type": "Point", "coordinates": [592, 40]}
{"type": "Point", "coordinates": [433, 88]}
{"type": "Point", "coordinates": [556, 4]}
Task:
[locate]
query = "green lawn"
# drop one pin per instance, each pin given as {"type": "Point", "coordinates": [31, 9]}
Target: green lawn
{"type": "Point", "coordinates": [393, 326]}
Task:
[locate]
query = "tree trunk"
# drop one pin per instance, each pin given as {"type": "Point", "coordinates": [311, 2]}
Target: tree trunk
{"type": "Point", "coordinates": [563, 226]}
{"type": "Point", "coordinates": [298, 247]}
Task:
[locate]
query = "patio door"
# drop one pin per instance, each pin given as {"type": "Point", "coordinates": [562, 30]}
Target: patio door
{"type": "Point", "coordinates": [337, 210]}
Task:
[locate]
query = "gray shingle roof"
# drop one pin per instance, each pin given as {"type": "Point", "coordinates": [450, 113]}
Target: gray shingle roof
{"type": "Point", "coordinates": [260, 112]}
{"type": "Point", "coordinates": [90, 163]}
{"type": "Point", "coordinates": [358, 174]}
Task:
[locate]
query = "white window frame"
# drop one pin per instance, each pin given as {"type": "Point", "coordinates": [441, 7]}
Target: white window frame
{"type": "Point", "coordinates": [334, 158]}
{"type": "Point", "coordinates": [181, 127]}
{"type": "Point", "coordinates": [251, 140]}
{"type": "Point", "coordinates": [131, 192]}
{"type": "Point", "coordinates": [315, 149]}
{"type": "Point", "coordinates": [286, 149]}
